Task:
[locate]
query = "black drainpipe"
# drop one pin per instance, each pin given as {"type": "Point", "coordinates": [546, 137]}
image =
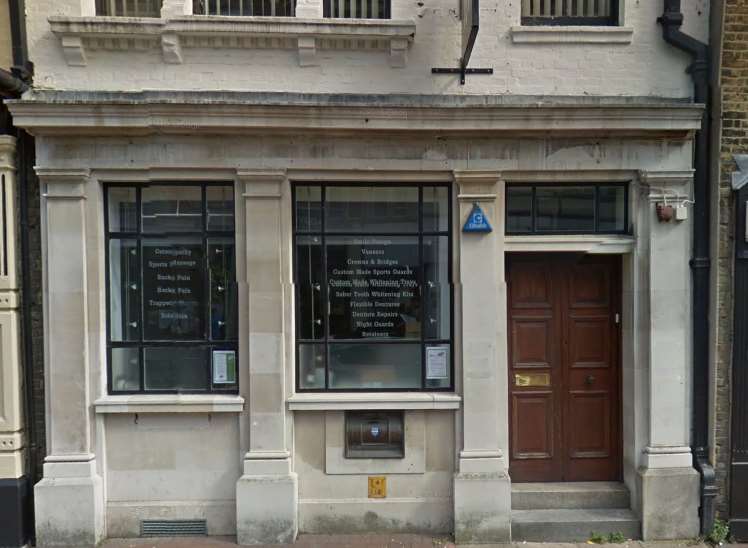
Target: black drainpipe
{"type": "Point", "coordinates": [671, 21]}
{"type": "Point", "coordinates": [22, 74]}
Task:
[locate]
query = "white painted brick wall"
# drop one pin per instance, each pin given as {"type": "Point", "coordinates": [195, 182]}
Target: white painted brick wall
{"type": "Point", "coordinates": [645, 67]}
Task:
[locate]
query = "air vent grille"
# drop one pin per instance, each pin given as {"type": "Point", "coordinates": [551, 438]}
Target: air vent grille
{"type": "Point", "coordinates": [173, 527]}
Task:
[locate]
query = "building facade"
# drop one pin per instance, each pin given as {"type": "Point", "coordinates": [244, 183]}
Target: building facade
{"type": "Point", "coordinates": [295, 280]}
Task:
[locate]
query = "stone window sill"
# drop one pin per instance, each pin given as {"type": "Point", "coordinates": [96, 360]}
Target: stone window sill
{"type": "Point", "coordinates": [170, 403]}
{"type": "Point", "coordinates": [571, 35]}
{"type": "Point", "coordinates": [339, 401]}
{"type": "Point", "coordinates": [80, 35]}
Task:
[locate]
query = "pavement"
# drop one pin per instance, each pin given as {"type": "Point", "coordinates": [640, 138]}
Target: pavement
{"type": "Point", "coordinates": [379, 541]}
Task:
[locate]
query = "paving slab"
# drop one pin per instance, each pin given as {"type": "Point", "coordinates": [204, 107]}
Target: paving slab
{"type": "Point", "coordinates": [380, 541]}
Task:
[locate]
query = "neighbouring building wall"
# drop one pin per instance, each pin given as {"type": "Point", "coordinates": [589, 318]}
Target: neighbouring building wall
{"type": "Point", "coordinates": [734, 140]}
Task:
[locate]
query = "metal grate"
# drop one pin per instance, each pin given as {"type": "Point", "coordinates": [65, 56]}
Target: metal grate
{"type": "Point", "coordinates": [357, 9]}
{"type": "Point", "coordinates": [129, 8]}
{"type": "Point", "coordinates": [269, 8]}
{"type": "Point", "coordinates": [569, 12]}
{"type": "Point", "coordinates": [173, 528]}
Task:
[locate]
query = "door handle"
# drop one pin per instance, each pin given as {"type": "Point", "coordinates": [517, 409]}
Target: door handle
{"type": "Point", "coordinates": [590, 380]}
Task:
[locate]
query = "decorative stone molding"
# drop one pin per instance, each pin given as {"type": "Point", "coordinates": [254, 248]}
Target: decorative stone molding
{"type": "Point", "coordinates": [477, 186]}
{"type": "Point", "coordinates": [740, 177]}
{"type": "Point", "coordinates": [373, 400]}
{"type": "Point", "coordinates": [170, 403]}
{"type": "Point", "coordinates": [666, 185]}
{"type": "Point", "coordinates": [106, 113]}
{"type": "Point", "coordinates": [571, 35]}
{"type": "Point", "coordinates": [63, 183]}
{"type": "Point", "coordinates": [261, 184]}
{"type": "Point", "coordinates": [81, 34]}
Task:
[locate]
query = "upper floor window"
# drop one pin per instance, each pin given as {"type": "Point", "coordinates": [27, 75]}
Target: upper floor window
{"type": "Point", "coordinates": [570, 12]}
{"type": "Point", "coordinates": [268, 8]}
{"type": "Point", "coordinates": [129, 8]}
{"type": "Point", "coordinates": [171, 288]}
{"type": "Point", "coordinates": [357, 9]}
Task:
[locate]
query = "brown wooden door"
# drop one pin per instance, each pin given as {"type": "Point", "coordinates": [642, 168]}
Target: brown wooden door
{"type": "Point", "coordinates": [564, 373]}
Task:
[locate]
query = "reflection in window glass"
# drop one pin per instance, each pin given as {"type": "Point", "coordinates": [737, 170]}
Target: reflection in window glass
{"type": "Point", "coordinates": [124, 292]}
{"type": "Point", "coordinates": [371, 209]}
{"type": "Point", "coordinates": [519, 209]}
{"type": "Point", "coordinates": [123, 214]}
{"type": "Point", "coordinates": [370, 302]}
{"type": "Point", "coordinates": [175, 368]}
{"type": "Point", "coordinates": [435, 209]}
{"type": "Point", "coordinates": [172, 208]}
{"type": "Point", "coordinates": [125, 369]}
{"type": "Point", "coordinates": [308, 208]}
{"type": "Point", "coordinates": [375, 366]}
{"type": "Point", "coordinates": [565, 209]}
{"type": "Point", "coordinates": [309, 284]}
{"type": "Point", "coordinates": [611, 209]}
{"type": "Point", "coordinates": [220, 206]}
{"type": "Point", "coordinates": [223, 297]}
{"type": "Point", "coordinates": [437, 289]}
{"type": "Point", "coordinates": [311, 366]}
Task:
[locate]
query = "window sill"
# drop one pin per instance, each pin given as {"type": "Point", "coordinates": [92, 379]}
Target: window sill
{"type": "Point", "coordinates": [532, 34]}
{"type": "Point", "coordinates": [170, 403]}
{"type": "Point", "coordinates": [341, 401]}
{"type": "Point", "coordinates": [80, 35]}
{"type": "Point", "coordinates": [593, 243]}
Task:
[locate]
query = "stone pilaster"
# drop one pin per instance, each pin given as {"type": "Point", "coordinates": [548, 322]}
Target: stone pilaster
{"type": "Point", "coordinates": [13, 480]}
{"type": "Point", "coordinates": [266, 494]}
{"type": "Point", "coordinates": [482, 490]}
{"type": "Point", "coordinates": [69, 500]}
{"type": "Point", "coordinates": [669, 484]}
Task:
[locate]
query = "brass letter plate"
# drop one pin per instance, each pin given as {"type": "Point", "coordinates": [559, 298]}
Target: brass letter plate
{"type": "Point", "coordinates": [535, 379]}
{"type": "Point", "coordinates": [377, 487]}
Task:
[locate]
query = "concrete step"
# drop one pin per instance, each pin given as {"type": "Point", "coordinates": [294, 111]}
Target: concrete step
{"type": "Point", "coordinates": [576, 495]}
{"type": "Point", "coordinates": [572, 525]}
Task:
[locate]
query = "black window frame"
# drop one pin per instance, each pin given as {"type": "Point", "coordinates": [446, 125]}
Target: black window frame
{"type": "Point", "coordinates": [325, 341]}
{"type": "Point", "coordinates": [141, 344]}
{"type": "Point", "coordinates": [327, 9]}
{"type": "Point", "coordinates": [533, 209]}
{"type": "Point", "coordinates": [566, 21]}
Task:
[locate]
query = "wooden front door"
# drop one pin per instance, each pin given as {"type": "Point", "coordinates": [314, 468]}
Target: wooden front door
{"type": "Point", "coordinates": [564, 374]}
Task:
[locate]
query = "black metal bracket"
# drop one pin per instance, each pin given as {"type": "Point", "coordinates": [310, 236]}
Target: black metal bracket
{"type": "Point", "coordinates": [462, 72]}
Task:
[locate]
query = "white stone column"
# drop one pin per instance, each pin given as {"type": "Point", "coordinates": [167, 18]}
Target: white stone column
{"type": "Point", "coordinates": [13, 481]}
{"type": "Point", "coordinates": [69, 500]}
{"type": "Point", "coordinates": [482, 489]}
{"type": "Point", "coordinates": [266, 494]}
{"type": "Point", "coordinates": [669, 484]}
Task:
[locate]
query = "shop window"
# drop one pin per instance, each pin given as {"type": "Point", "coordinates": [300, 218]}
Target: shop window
{"type": "Point", "coordinates": [567, 209]}
{"type": "Point", "coordinates": [171, 288]}
{"type": "Point", "coordinates": [373, 287]}
{"type": "Point", "coordinates": [570, 12]}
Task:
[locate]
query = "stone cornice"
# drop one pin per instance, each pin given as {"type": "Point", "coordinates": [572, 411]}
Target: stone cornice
{"type": "Point", "coordinates": [81, 34]}
{"type": "Point", "coordinates": [90, 113]}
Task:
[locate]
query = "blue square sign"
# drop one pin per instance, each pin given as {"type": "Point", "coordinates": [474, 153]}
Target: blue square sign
{"type": "Point", "coordinates": [477, 221]}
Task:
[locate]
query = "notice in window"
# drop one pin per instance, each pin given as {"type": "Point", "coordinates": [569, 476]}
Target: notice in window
{"type": "Point", "coordinates": [374, 291]}
{"type": "Point", "coordinates": [224, 367]}
{"type": "Point", "coordinates": [437, 360]}
{"type": "Point", "coordinates": [173, 290]}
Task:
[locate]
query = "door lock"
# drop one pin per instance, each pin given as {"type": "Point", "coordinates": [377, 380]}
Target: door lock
{"type": "Point", "coordinates": [589, 381]}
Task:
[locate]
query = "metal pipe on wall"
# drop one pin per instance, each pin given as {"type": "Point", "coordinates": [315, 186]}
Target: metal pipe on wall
{"type": "Point", "coordinates": [671, 21]}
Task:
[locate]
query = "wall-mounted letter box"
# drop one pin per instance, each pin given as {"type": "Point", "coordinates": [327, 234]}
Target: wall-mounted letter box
{"type": "Point", "coordinates": [374, 435]}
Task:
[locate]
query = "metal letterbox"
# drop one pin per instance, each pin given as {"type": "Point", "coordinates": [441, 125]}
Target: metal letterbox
{"type": "Point", "coordinates": [374, 435]}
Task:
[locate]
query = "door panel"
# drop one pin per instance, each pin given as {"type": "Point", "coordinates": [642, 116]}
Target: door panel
{"type": "Point", "coordinates": [563, 367]}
